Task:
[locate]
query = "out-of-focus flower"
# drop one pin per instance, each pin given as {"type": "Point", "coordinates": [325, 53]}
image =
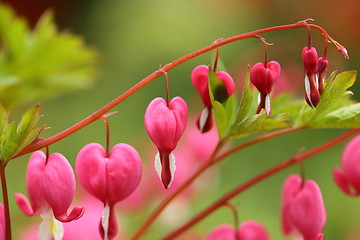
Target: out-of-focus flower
{"type": "Point", "coordinates": [303, 211]}
{"type": "Point", "coordinates": [51, 187]}
{"type": "Point", "coordinates": [2, 222]}
{"type": "Point", "coordinates": [348, 179]}
{"type": "Point", "coordinates": [310, 60]}
{"type": "Point", "coordinates": [248, 230]}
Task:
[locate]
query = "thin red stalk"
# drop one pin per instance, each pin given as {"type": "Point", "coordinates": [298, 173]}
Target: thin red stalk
{"type": "Point", "coordinates": [6, 203]}
{"type": "Point", "coordinates": [157, 211]}
{"type": "Point", "coordinates": [257, 179]}
{"type": "Point", "coordinates": [96, 115]}
{"type": "Point", "coordinates": [107, 138]}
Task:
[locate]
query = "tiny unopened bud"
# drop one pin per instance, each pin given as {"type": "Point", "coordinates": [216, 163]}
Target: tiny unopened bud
{"type": "Point", "coordinates": [323, 63]}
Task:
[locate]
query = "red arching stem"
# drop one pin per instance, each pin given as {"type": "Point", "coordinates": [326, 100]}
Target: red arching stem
{"type": "Point", "coordinates": [262, 176]}
{"type": "Point", "coordinates": [157, 211]}
{"type": "Point", "coordinates": [96, 115]}
{"type": "Point", "coordinates": [5, 202]}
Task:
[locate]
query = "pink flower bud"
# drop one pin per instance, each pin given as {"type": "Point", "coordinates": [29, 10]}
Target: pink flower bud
{"type": "Point", "coordinates": [263, 78]}
{"type": "Point", "coordinates": [110, 179]}
{"type": "Point", "coordinates": [310, 60]}
{"type": "Point", "coordinates": [323, 63]}
{"type": "Point", "coordinates": [200, 80]}
{"type": "Point", "coordinates": [303, 211]}
{"type": "Point", "coordinates": [248, 230]}
{"type": "Point", "coordinates": [349, 178]}
{"type": "Point", "coordinates": [51, 187]}
{"type": "Point", "coordinates": [165, 123]}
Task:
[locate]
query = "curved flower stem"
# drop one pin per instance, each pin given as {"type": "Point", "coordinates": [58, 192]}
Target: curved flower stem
{"type": "Point", "coordinates": [157, 211]}
{"type": "Point", "coordinates": [262, 176]}
{"type": "Point", "coordinates": [96, 115]}
{"type": "Point", "coordinates": [6, 203]}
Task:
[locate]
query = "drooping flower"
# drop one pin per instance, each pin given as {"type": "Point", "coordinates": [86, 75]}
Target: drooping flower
{"type": "Point", "coordinates": [263, 77]}
{"type": "Point", "coordinates": [109, 178]}
{"type": "Point", "coordinates": [165, 124]}
{"type": "Point", "coordinates": [322, 64]}
{"type": "Point", "coordinates": [200, 80]}
{"type": "Point", "coordinates": [348, 179]}
{"type": "Point", "coordinates": [310, 60]}
{"type": "Point", "coordinates": [248, 230]}
{"type": "Point", "coordinates": [51, 188]}
{"type": "Point", "coordinates": [303, 211]}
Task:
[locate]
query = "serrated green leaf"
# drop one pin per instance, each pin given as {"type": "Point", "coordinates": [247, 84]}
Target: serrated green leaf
{"type": "Point", "coordinates": [334, 96]}
{"type": "Point", "coordinates": [30, 137]}
{"type": "Point", "coordinates": [257, 124]}
{"type": "Point", "coordinates": [245, 101]}
{"type": "Point", "coordinates": [345, 117]}
{"type": "Point", "coordinates": [9, 145]}
{"type": "Point", "coordinates": [27, 123]}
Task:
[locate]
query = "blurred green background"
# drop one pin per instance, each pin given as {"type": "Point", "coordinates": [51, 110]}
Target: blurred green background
{"type": "Point", "coordinates": [135, 37]}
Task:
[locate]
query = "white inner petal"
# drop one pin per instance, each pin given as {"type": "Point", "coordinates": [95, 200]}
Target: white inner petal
{"type": "Point", "coordinates": [50, 228]}
{"type": "Point", "coordinates": [105, 220]}
{"type": "Point", "coordinates": [267, 104]}
{"type": "Point", "coordinates": [157, 164]}
{"type": "Point", "coordinates": [259, 98]}
{"type": "Point", "coordinates": [172, 168]}
{"type": "Point", "coordinates": [307, 90]}
{"type": "Point", "coordinates": [317, 81]}
{"type": "Point", "coordinates": [203, 118]}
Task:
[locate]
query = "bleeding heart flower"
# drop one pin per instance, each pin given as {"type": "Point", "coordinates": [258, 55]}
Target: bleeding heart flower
{"type": "Point", "coordinates": [263, 78]}
{"type": "Point", "coordinates": [303, 211]}
{"type": "Point", "coordinates": [248, 230]}
{"type": "Point", "coordinates": [200, 80]}
{"type": "Point", "coordinates": [323, 63]}
{"type": "Point", "coordinates": [110, 179]}
{"type": "Point", "coordinates": [2, 222]}
{"type": "Point", "coordinates": [51, 187]}
{"type": "Point", "coordinates": [165, 124]}
{"type": "Point", "coordinates": [349, 178]}
{"type": "Point", "coordinates": [310, 60]}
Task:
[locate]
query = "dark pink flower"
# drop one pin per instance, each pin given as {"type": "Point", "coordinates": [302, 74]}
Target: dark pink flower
{"type": "Point", "coordinates": [303, 211]}
{"type": "Point", "coordinates": [2, 222]}
{"type": "Point", "coordinates": [200, 80]}
{"type": "Point", "coordinates": [165, 124]}
{"type": "Point", "coordinates": [248, 230]}
{"type": "Point", "coordinates": [310, 60]}
{"type": "Point", "coordinates": [263, 78]}
{"type": "Point", "coordinates": [110, 179]}
{"type": "Point", "coordinates": [51, 187]}
{"type": "Point", "coordinates": [323, 63]}
{"type": "Point", "coordinates": [348, 179]}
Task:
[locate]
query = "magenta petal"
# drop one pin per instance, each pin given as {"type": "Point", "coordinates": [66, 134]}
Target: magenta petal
{"type": "Point", "coordinates": [90, 169]}
{"type": "Point", "coordinates": [24, 204]}
{"type": "Point", "coordinates": [252, 230]}
{"type": "Point", "coordinates": [342, 182]}
{"type": "Point", "coordinates": [2, 222]}
{"type": "Point", "coordinates": [227, 81]}
{"type": "Point", "coordinates": [178, 106]}
{"type": "Point", "coordinates": [200, 80]}
{"type": "Point", "coordinates": [222, 232]}
{"type": "Point", "coordinates": [124, 170]}
{"type": "Point", "coordinates": [75, 214]}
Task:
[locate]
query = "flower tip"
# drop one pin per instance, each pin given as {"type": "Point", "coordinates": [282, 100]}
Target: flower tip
{"type": "Point", "coordinates": [75, 214]}
{"type": "Point", "coordinates": [165, 168]}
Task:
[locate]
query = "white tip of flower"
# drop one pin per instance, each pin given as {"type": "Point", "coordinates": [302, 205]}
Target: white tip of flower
{"type": "Point", "coordinates": [267, 104]}
{"type": "Point", "coordinates": [50, 228]}
{"type": "Point", "coordinates": [157, 164]}
{"type": "Point", "coordinates": [172, 168]}
{"type": "Point", "coordinates": [105, 220]}
{"type": "Point", "coordinates": [307, 90]}
{"type": "Point", "coordinates": [203, 118]}
{"type": "Point", "coordinates": [317, 81]}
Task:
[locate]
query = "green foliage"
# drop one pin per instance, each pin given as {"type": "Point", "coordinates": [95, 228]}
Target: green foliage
{"type": "Point", "coordinates": [335, 110]}
{"type": "Point", "coordinates": [245, 101]}
{"type": "Point", "coordinates": [15, 138]}
{"type": "Point", "coordinates": [223, 106]}
{"type": "Point", "coordinates": [40, 63]}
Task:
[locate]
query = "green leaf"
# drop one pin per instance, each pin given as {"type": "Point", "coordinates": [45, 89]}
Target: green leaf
{"type": "Point", "coordinates": [220, 118]}
{"type": "Point", "coordinates": [245, 101]}
{"type": "Point", "coordinates": [9, 145]}
{"type": "Point", "coordinates": [334, 97]}
{"type": "Point", "coordinates": [42, 62]}
{"type": "Point", "coordinates": [257, 124]}
{"type": "Point", "coordinates": [217, 89]}
{"type": "Point", "coordinates": [3, 118]}
{"type": "Point", "coordinates": [28, 121]}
